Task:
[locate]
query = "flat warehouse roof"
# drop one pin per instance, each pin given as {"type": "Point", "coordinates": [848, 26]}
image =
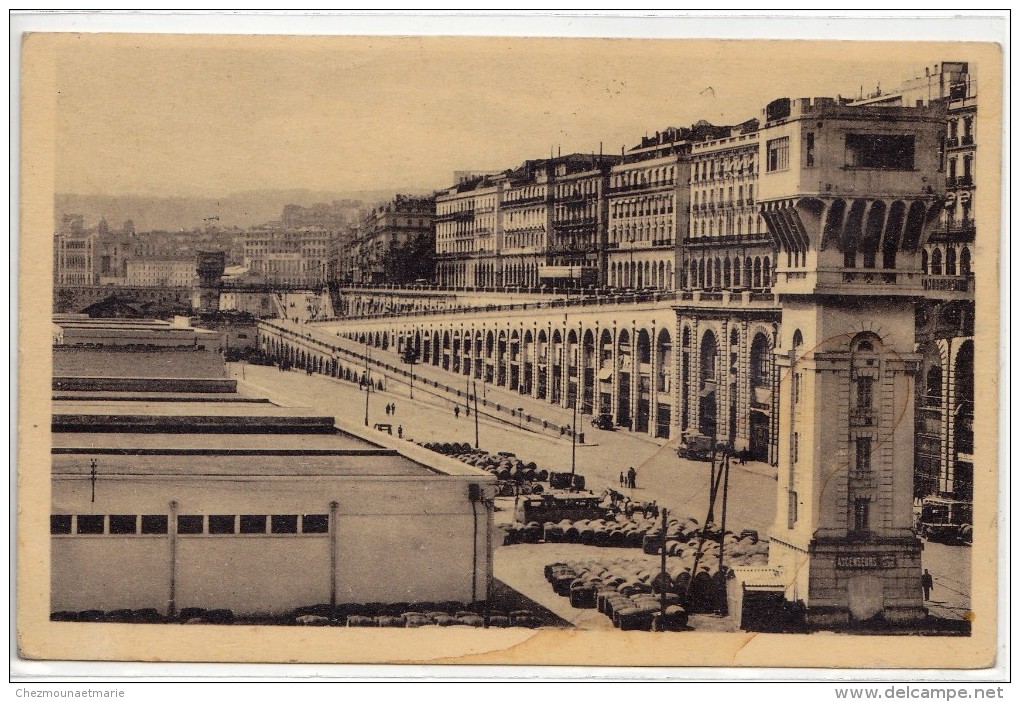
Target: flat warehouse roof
{"type": "Point", "coordinates": [381, 464]}
{"type": "Point", "coordinates": [121, 396]}
{"type": "Point", "coordinates": [286, 442]}
{"type": "Point", "coordinates": [183, 409]}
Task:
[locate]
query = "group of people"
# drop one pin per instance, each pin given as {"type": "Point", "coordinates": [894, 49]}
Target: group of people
{"type": "Point", "coordinates": [628, 480]}
{"type": "Point", "coordinates": [391, 409]}
{"type": "Point", "coordinates": [456, 411]}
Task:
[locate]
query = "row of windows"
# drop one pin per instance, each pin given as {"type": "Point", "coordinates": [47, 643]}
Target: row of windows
{"type": "Point", "coordinates": [709, 196]}
{"type": "Point", "coordinates": [727, 225]}
{"type": "Point", "coordinates": [584, 187]}
{"type": "Point", "coordinates": [733, 166]}
{"type": "Point", "coordinates": [657, 176]}
{"type": "Point", "coordinates": [526, 193]}
{"type": "Point", "coordinates": [642, 208]}
{"type": "Point", "coordinates": [133, 524]}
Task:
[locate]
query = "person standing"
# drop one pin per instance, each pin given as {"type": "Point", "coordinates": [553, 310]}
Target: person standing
{"type": "Point", "coordinates": [622, 480]}
{"type": "Point", "coordinates": [632, 478]}
{"type": "Point", "coordinates": [400, 431]}
{"type": "Point", "coordinates": [456, 411]}
{"type": "Point", "coordinates": [927, 584]}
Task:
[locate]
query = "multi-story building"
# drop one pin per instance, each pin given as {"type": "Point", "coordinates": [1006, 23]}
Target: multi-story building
{"type": "Point", "coordinates": [469, 233]}
{"type": "Point", "coordinates": [543, 223]}
{"type": "Point", "coordinates": [393, 243]}
{"type": "Point", "coordinates": [164, 272]}
{"type": "Point", "coordinates": [727, 246]}
{"type": "Point", "coordinates": [579, 237]}
{"type": "Point", "coordinates": [287, 256]}
{"type": "Point", "coordinates": [648, 212]}
{"type": "Point", "coordinates": [73, 257]}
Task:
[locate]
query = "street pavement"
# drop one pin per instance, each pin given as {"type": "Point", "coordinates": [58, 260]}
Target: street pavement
{"type": "Point", "coordinates": [677, 484]}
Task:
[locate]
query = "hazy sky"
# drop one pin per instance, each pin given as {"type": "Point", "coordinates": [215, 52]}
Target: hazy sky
{"type": "Point", "coordinates": [193, 115]}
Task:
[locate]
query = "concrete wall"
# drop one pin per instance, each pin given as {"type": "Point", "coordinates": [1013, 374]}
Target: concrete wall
{"type": "Point", "coordinates": [397, 540]}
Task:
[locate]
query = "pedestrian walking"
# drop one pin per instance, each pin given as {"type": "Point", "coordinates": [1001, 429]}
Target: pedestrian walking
{"type": "Point", "coordinates": [621, 479]}
{"type": "Point", "coordinates": [393, 408]}
{"type": "Point", "coordinates": [632, 478]}
{"type": "Point", "coordinates": [400, 431]}
{"type": "Point", "coordinates": [456, 411]}
{"type": "Point", "coordinates": [927, 584]}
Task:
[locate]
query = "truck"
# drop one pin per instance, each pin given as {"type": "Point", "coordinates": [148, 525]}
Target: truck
{"type": "Point", "coordinates": [946, 519]}
{"type": "Point", "coordinates": [695, 447]}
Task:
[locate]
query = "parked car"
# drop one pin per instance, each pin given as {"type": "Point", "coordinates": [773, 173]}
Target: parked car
{"type": "Point", "coordinates": [602, 421]}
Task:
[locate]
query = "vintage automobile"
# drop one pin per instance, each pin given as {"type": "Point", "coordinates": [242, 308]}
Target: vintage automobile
{"type": "Point", "coordinates": [695, 447]}
{"type": "Point", "coordinates": [945, 519]}
{"type": "Point", "coordinates": [602, 421]}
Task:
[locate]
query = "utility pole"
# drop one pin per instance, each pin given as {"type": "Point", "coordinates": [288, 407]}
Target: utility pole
{"type": "Point", "coordinates": [573, 438]}
{"type": "Point", "coordinates": [368, 381]}
{"type": "Point", "coordinates": [663, 576]}
{"type": "Point", "coordinates": [722, 526]}
{"type": "Point", "coordinates": [475, 394]}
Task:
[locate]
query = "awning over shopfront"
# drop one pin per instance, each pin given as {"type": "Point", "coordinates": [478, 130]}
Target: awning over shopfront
{"type": "Point", "coordinates": [605, 374]}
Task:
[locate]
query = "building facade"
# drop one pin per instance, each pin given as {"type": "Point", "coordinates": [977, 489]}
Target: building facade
{"type": "Point", "coordinates": [161, 272]}
{"type": "Point", "coordinates": [393, 242]}
{"type": "Point", "coordinates": [282, 256]}
{"type": "Point", "coordinates": [648, 212]}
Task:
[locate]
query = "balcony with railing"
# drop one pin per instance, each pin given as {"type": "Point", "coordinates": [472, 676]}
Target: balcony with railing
{"type": "Point", "coordinates": [631, 187]}
{"type": "Point", "coordinates": [954, 232]}
{"type": "Point", "coordinates": [949, 283]}
{"type": "Point", "coordinates": [522, 201]}
{"type": "Point", "coordinates": [457, 216]}
{"type": "Point", "coordinates": [848, 281]}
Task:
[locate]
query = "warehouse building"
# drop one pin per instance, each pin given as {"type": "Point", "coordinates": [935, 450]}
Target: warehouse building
{"type": "Point", "coordinates": [170, 493]}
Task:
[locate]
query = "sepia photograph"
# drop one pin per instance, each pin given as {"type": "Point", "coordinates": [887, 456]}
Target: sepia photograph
{"type": "Point", "coordinates": [509, 350]}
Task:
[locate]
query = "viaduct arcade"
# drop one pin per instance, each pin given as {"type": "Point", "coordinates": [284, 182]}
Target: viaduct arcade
{"type": "Point", "coordinates": [702, 362]}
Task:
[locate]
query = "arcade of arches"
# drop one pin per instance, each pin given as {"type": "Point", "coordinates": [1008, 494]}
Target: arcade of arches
{"type": "Point", "coordinates": [664, 373]}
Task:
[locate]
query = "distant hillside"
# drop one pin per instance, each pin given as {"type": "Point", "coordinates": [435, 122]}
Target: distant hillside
{"type": "Point", "coordinates": [242, 209]}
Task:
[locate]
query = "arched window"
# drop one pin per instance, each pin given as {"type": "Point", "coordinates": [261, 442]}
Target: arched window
{"type": "Point", "coordinates": [965, 261]}
{"type": "Point", "coordinates": [924, 261]}
{"type": "Point", "coordinates": [936, 262]}
{"type": "Point", "coordinates": [950, 261]}
{"type": "Point", "coordinates": [761, 362]}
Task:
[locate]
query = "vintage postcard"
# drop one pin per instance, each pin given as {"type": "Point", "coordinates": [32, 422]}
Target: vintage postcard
{"type": "Point", "coordinates": [507, 350]}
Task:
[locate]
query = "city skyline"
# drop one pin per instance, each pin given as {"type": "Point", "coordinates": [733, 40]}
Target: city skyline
{"type": "Point", "coordinates": [162, 119]}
